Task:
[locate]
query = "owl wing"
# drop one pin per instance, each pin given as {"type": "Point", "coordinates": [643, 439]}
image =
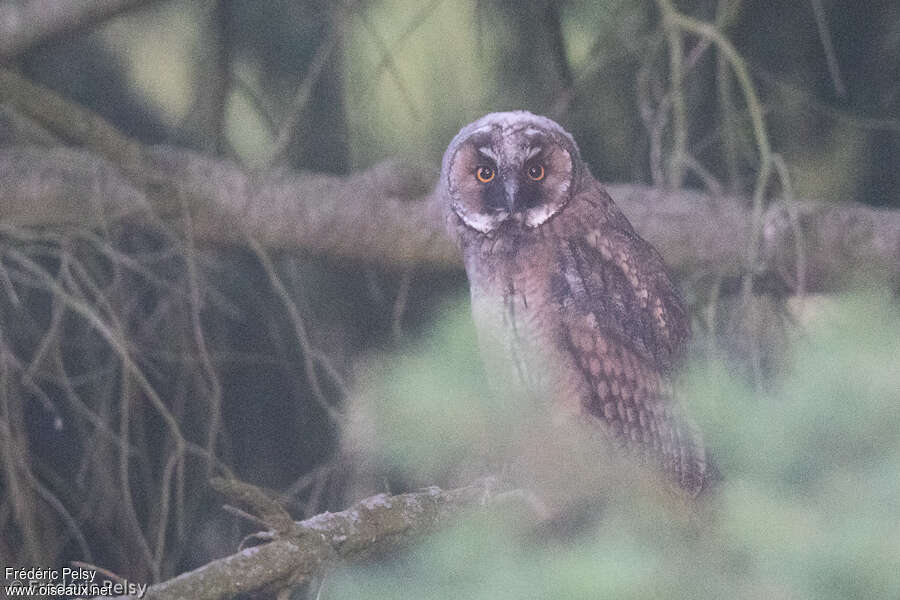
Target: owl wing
{"type": "Point", "coordinates": [628, 328]}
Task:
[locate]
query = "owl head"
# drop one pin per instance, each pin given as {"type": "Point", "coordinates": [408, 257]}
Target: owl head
{"type": "Point", "coordinates": [510, 169]}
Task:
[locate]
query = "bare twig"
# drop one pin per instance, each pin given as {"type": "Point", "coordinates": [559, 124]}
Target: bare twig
{"type": "Point", "coordinates": [24, 24]}
{"type": "Point", "coordinates": [798, 95]}
{"type": "Point", "coordinates": [797, 231]}
{"type": "Point", "coordinates": [214, 393]}
{"type": "Point", "coordinates": [825, 35]}
{"type": "Point", "coordinates": [679, 111]}
{"type": "Point", "coordinates": [69, 121]}
{"type": "Point", "coordinates": [415, 22]}
{"type": "Point", "coordinates": [214, 80]}
{"type": "Point", "coordinates": [287, 129]}
{"type": "Point", "coordinates": [400, 305]}
{"type": "Point", "coordinates": [387, 58]}
{"type": "Point", "coordinates": [300, 331]}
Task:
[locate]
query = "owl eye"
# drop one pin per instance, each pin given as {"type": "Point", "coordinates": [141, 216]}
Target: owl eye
{"type": "Point", "coordinates": [536, 172]}
{"type": "Point", "coordinates": [484, 174]}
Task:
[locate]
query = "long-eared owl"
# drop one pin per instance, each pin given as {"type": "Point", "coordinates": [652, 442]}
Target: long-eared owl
{"type": "Point", "coordinates": [576, 303]}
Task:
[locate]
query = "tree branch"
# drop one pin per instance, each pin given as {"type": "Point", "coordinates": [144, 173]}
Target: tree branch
{"type": "Point", "coordinates": [24, 24]}
{"type": "Point", "coordinates": [372, 526]}
{"type": "Point", "coordinates": [386, 215]}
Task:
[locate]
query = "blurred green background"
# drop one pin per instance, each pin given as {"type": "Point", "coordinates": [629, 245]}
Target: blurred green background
{"type": "Point", "coordinates": [806, 436]}
{"type": "Point", "coordinates": [809, 505]}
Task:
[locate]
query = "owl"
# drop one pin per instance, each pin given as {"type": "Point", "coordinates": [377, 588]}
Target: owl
{"type": "Point", "coordinates": [567, 299]}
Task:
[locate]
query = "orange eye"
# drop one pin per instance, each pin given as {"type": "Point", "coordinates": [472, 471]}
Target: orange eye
{"type": "Point", "coordinates": [484, 174]}
{"type": "Point", "coordinates": [536, 172]}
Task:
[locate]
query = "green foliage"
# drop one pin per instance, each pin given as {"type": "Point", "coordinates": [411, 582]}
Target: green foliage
{"type": "Point", "coordinates": [433, 408]}
{"type": "Point", "coordinates": [809, 506]}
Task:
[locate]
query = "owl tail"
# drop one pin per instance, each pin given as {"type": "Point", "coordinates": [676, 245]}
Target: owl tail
{"type": "Point", "coordinates": [692, 470]}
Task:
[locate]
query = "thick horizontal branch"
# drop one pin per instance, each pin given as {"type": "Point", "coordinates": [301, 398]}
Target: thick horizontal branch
{"type": "Point", "coordinates": [386, 215]}
{"type": "Point", "coordinates": [374, 525]}
{"type": "Point", "coordinates": [383, 215]}
{"type": "Point", "coordinates": [24, 24]}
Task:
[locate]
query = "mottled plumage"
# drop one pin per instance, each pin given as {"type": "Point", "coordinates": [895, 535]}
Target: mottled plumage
{"type": "Point", "coordinates": [568, 300]}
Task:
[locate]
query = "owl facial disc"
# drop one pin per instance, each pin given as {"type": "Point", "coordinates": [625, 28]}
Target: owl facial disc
{"type": "Point", "coordinates": [515, 168]}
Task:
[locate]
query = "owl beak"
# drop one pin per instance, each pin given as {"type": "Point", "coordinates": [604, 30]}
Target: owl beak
{"type": "Point", "coordinates": [512, 192]}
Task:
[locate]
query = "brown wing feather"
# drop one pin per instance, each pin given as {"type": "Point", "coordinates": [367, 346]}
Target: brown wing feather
{"type": "Point", "coordinates": [628, 330]}
{"type": "Point", "coordinates": [620, 268]}
{"type": "Point", "coordinates": [634, 402]}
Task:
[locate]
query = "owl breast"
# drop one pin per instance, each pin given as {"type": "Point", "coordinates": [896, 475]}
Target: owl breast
{"type": "Point", "coordinates": [518, 332]}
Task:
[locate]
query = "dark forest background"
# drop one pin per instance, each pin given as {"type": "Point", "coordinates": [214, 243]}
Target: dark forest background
{"type": "Point", "coordinates": [257, 361]}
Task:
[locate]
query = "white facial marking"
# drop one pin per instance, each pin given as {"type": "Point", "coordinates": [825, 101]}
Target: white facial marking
{"type": "Point", "coordinates": [532, 152]}
{"type": "Point", "coordinates": [486, 151]}
{"type": "Point", "coordinates": [480, 221]}
{"type": "Point", "coordinates": [539, 214]}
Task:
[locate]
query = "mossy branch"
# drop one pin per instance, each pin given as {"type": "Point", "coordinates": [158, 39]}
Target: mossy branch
{"type": "Point", "coordinates": [376, 525]}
